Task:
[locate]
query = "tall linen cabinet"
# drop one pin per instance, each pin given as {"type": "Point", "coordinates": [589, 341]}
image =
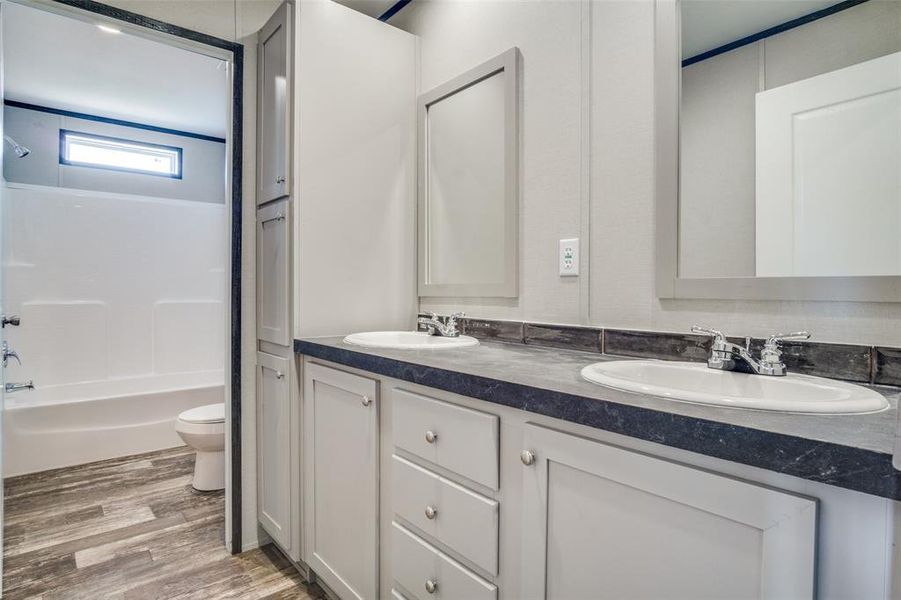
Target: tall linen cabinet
{"type": "Point", "coordinates": [335, 227]}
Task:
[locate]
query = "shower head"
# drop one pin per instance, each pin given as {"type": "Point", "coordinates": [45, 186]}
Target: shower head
{"type": "Point", "coordinates": [21, 151]}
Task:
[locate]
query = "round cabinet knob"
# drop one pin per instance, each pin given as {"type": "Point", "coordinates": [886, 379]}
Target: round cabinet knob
{"type": "Point", "coordinates": [431, 512]}
{"type": "Point", "coordinates": [431, 437]}
{"type": "Point", "coordinates": [431, 586]}
{"type": "Point", "coordinates": [527, 457]}
{"type": "Point", "coordinates": [366, 400]}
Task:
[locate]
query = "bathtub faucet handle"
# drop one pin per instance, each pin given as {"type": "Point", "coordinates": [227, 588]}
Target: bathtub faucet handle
{"type": "Point", "coordinates": [10, 320]}
{"type": "Point", "coordinates": [16, 387]}
{"type": "Point", "coordinates": [8, 354]}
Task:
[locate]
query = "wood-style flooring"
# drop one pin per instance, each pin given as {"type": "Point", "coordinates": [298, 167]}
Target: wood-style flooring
{"type": "Point", "coordinates": [131, 529]}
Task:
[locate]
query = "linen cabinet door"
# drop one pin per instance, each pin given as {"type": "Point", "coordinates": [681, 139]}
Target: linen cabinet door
{"type": "Point", "coordinates": [341, 480]}
{"type": "Point", "coordinates": [275, 51]}
{"type": "Point", "coordinates": [273, 273]}
{"type": "Point", "coordinates": [603, 522]}
{"type": "Point", "coordinates": [275, 477]}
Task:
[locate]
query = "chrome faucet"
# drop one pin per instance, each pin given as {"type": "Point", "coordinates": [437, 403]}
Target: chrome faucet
{"type": "Point", "coordinates": [726, 356]}
{"type": "Point", "coordinates": [442, 326]}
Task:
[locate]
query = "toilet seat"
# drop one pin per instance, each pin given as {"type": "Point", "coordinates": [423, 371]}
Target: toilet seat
{"type": "Point", "coordinates": [211, 413]}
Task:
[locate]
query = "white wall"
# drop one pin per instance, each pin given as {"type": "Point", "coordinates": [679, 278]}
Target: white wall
{"type": "Point", "coordinates": [620, 81]}
{"type": "Point", "coordinates": [354, 173]}
{"type": "Point", "coordinates": [456, 36]}
{"type": "Point", "coordinates": [112, 286]}
{"type": "Point", "coordinates": [203, 161]}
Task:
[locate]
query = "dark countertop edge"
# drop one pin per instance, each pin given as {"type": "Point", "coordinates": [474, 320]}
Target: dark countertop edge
{"type": "Point", "coordinates": [851, 468]}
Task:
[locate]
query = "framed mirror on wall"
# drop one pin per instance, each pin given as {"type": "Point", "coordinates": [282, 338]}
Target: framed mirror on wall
{"type": "Point", "coordinates": [468, 196]}
{"type": "Point", "coordinates": [778, 149]}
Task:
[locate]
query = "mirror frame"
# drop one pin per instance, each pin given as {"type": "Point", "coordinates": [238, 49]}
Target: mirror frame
{"type": "Point", "coordinates": [667, 96]}
{"type": "Point", "coordinates": [508, 63]}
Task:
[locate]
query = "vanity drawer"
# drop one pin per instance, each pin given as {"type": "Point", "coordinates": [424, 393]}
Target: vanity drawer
{"type": "Point", "coordinates": [456, 438]}
{"type": "Point", "coordinates": [463, 520]}
{"type": "Point", "coordinates": [416, 562]}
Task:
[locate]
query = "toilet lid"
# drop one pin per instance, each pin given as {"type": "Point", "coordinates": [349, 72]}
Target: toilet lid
{"type": "Point", "coordinates": [211, 413]}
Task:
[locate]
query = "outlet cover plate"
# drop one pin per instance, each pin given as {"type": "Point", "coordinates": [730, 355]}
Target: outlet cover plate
{"type": "Point", "coordinates": [569, 257]}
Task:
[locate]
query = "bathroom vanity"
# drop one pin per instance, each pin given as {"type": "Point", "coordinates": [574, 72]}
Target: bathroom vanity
{"type": "Point", "coordinates": [429, 468]}
{"type": "Point", "coordinates": [496, 471]}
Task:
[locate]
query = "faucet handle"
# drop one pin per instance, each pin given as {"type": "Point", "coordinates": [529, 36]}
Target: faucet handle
{"type": "Point", "coordinates": [771, 354]}
{"type": "Point", "coordinates": [715, 334]}
{"type": "Point", "coordinates": [451, 323]}
{"type": "Point", "coordinates": [778, 338]}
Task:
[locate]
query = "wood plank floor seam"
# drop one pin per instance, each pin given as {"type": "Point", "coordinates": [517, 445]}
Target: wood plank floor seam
{"type": "Point", "coordinates": [131, 528]}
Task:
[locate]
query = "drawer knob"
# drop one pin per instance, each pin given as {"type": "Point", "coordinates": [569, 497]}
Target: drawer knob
{"type": "Point", "coordinates": [431, 512]}
{"type": "Point", "coordinates": [367, 400]}
{"type": "Point", "coordinates": [431, 436]}
{"type": "Point", "coordinates": [527, 458]}
{"type": "Point", "coordinates": [431, 585]}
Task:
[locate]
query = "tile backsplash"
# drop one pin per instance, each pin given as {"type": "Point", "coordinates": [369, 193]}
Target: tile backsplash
{"type": "Point", "coordinates": [864, 364]}
{"type": "Point", "coordinates": [887, 366]}
{"type": "Point", "coordinates": [563, 336]}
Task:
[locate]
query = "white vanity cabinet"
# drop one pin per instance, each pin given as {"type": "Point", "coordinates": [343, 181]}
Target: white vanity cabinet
{"type": "Point", "coordinates": [275, 49]}
{"type": "Point", "coordinates": [278, 469]}
{"type": "Point", "coordinates": [417, 493]}
{"type": "Point", "coordinates": [599, 521]}
{"type": "Point", "coordinates": [341, 480]}
{"type": "Point", "coordinates": [424, 571]}
{"type": "Point", "coordinates": [456, 438]}
{"type": "Point", "coordinates": [444, 518]}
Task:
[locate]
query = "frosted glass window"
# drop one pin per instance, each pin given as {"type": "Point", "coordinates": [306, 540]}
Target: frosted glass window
{"type": "Point", "coordinates": [88, 150]}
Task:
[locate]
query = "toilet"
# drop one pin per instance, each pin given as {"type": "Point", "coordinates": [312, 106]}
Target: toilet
{"type": "Point", "coordinates": [203, 429]}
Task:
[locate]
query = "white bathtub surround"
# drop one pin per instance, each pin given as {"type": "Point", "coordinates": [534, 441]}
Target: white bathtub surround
{"type": "Point", "coordinates": [71, 425]}
{"type": "Point", "coordinates": [112, 286]}
{"type": "Point", "coordinates": [121, 300]}
{"type": "Point", "coordinates": [203, 429]}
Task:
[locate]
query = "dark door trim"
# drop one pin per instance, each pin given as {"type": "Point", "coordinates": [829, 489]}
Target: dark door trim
{"type": "Point", "coordinates": [237, 159]}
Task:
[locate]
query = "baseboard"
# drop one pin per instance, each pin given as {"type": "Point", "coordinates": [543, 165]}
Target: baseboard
{"type": "Point", "coordinates": [301, 567]}
{"type": "Point", "coordinates": [329, 593]}
{"type": "Point", "coordinates": [250, 544]}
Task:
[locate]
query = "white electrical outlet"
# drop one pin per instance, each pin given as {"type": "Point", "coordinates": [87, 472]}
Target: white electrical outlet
{"type": "Point", "coordinates": [569, 257]}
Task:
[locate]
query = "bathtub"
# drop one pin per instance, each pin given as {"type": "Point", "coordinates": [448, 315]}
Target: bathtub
{"type": "Point", "coordinates": [65, 425]}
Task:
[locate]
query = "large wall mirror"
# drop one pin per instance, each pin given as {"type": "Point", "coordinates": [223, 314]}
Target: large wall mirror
{"type": "Point", "coordinates": [780, 133]}
{"type": "Point", "coordinates": [468, 199]}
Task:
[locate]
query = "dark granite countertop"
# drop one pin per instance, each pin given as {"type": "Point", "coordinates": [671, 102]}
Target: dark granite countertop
{"type": "Point", "coordinates": [849, 451]}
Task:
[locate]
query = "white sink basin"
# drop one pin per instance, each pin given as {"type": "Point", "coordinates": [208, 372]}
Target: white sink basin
{"type": "Point", "coordinates": [408, 340]}
{"type": "Point", "coordinates": [693, 382]}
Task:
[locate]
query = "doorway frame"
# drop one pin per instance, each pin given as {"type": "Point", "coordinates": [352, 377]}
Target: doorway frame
{"type": "Point", "coordinates": [233, 54]}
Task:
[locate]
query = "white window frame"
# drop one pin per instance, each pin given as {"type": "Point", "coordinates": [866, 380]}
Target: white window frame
{"type": "Point", "coordinates": [174, 153]}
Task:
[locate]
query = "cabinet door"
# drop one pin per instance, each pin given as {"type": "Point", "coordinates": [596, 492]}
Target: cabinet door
{"type": "Point", "coordinates": [274, 106]}
{"type": "Point", "coordinates": [340, 414]}
{"type": "Point", "coordinates": [603, 522]}
{"type": "Point", "coordinates": [273, 275]}
{"type": "Point", "coordinates": [274, 417]}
